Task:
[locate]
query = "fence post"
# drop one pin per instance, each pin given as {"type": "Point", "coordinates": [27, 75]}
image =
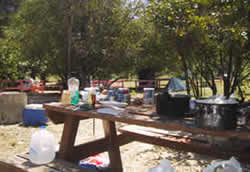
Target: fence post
{"type": "Point", "coordinates": [42, 85]}
{"type": "Point", "coordinates": [122, 83]}
{"type": "Point", "coordinates": [21, 85]}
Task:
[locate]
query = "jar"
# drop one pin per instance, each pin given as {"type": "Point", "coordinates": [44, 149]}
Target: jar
{"type": "Point", "coordinates": [148, 97]}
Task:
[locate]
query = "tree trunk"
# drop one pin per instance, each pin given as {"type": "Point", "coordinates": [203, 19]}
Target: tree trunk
{"type": "Point", "coordinates": [68, 22]}
{"type": "Point", "coordinates": [226, 81]}
{"type": "Point", "coordinates": [186, 74]}
{"type": "Point", "coordinates": [69, 40]}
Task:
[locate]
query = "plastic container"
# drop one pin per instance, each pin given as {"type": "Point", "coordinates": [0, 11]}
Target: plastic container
{"type": "Point", "coordinates": [175, 105]}
{"type": "Point", "coordinates": [111, 95]}
{"type": "Point", "coordinates": [34, 115]}
{"type": "Point", "coordinates": [120, 95]}
{"type": "Point", "coordinates": [42, 147]}
{"type": "Point", "coordinates": [126, 96]}
{"type": "Point", "coordinates": [92, 97]}
{"type": "Point", "coordinates": [66, 97]}
{"type": "Point", "coordinates": [84, 96]}
{"type": "Point", "coordinates": [73, 86]}
{"type": "Point", "coordinates": [148, 97]}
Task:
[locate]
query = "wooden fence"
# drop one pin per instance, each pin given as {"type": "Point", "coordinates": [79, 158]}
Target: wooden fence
{"type": "Point", "coordinates": [22, 85]}
{"type": "Point", "coordinates": [157, 83]}
{"type": "Point", "coordinates": [27, 85]}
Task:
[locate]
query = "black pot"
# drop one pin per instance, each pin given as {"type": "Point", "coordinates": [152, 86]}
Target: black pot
{"type": "Point", "coordinates": [216, 116]}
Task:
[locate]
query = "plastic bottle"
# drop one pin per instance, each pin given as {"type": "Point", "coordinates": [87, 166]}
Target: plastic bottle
{"type": "Point", "coordinates": [120, 95]}
{"type": "Point", "coordinates": [42, 147]}
{"type": "Point", "coordinates": [126, 98]}
{"type": "Point", "coordinates": [111, 94]}
{"type": "Point", "coordinates": [73, 85]}
{"type": "Point", "coordinates": [92, 97]}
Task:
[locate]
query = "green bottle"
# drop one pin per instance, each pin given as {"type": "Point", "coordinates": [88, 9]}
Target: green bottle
{"type": "Point", "coordinates": [73, 86]}
{"type": "Point", "coordinates": [75, 98]}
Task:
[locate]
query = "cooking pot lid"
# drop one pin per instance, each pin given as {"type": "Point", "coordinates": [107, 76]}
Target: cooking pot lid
{"type": "Point", "coordinates": [217, 101]}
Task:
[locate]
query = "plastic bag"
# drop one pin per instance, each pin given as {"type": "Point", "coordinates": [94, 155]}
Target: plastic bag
{"type": "Point", "coordinates": [164, 166]}
{"type": "Point", "coordinates": [96, 161]}
{"type": "Point", "coordinates": [231, 165]}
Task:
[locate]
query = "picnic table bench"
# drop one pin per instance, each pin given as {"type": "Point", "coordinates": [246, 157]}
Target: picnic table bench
{"type": "Point", "coordinates": [21, 163]}
{"type": "Point", "coordinates": [145, 126]}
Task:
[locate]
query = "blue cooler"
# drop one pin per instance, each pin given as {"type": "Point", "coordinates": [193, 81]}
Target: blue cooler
{"type": "Point", "coordinates": [34, 115]}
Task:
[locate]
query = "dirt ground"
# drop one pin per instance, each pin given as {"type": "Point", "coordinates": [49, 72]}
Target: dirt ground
{"type": "Point", "coordinates": [136, 157]}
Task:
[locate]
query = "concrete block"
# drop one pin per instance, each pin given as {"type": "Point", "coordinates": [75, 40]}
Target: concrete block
{"type": "Point", "coordinates": [11, 107]}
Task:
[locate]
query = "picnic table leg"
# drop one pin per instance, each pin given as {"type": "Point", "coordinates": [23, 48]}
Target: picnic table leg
{"type": "Point", "coordinates": [68, 137]}
{"type": "Point", "coordinates": [114, 150]}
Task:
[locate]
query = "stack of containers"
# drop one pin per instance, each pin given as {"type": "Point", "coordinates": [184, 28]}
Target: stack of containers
{"type": "Point", "coordinates": [120, 95]}
{"type": "Point", "coordinates": [123, 95]}
{"type": "Point", "coordinates": [111, 95]}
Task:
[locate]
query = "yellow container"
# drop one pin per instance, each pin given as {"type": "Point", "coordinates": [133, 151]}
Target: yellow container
{"type": "Point", "coordinates": [66, 98]}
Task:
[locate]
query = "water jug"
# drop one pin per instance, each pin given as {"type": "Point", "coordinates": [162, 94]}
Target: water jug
{"type": "Point", "coordinates": [42, 147]}
{"type": "Point", "coordinates": [73, 86]}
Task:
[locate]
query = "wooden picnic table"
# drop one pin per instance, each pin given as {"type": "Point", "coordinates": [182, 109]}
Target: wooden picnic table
{"type": "Point", "coordinates": [136, 116]}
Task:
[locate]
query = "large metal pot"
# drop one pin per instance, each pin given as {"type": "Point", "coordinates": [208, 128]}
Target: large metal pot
{"type": "Point", "coordinates": [216, 116]}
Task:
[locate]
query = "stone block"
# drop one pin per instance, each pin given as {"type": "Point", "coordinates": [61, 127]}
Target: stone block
{"type": "Point", "coordinates": [11, 107]}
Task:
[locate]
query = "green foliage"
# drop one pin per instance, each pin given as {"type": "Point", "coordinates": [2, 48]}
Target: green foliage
{"type": "Point", "coordinates": [36, 30]}
{"type": "Point", "coordinates": [114, 39]}
{"type": "Point", "coordinates": [210, 37]}
{"type": "Point", "coordinates": [10, 68]}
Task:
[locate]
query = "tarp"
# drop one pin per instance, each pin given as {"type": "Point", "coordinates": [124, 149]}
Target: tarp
{"type": "Point", "coordinates": [175, 84]}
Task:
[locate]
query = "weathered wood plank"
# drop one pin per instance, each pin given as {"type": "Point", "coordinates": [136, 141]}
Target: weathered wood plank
{"type": "Point", "coordinates": [58, 117]}
{"type": "Point", "coordinates": [55, 117]}
{"type": "Point", "coordinates": [113, 146]}
{"type": "Point", "coordinates": [5, 167]}
{"type": "Point", "coordinates": [70, 128]}
{"type": "Point", "coordinates": [91, 148]}
{"type": "Point", "coordinates": [180, 143]}
{"type": "Point", "coordinates": [21, 163]}
{"type": "Point", "coordinates": [149, 121]}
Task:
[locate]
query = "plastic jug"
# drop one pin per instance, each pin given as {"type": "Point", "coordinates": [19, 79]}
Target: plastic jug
{"type": "Point", "coordinates": [73, 86]}
{"type": "Point", "coordinates": [165, 166]}
{"type": "Point", "coordinates": [42, 147]}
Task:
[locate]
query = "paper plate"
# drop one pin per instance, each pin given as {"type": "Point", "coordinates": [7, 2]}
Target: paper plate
{"type": "Point", "coordinates": [114, 103]}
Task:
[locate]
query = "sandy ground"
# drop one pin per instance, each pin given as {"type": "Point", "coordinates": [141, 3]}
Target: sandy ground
{"type": "Point", "coordinates": [136, 157]}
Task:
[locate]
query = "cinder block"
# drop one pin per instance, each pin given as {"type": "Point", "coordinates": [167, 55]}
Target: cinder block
{"type": "Point", "coordinates": [12, 106]}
